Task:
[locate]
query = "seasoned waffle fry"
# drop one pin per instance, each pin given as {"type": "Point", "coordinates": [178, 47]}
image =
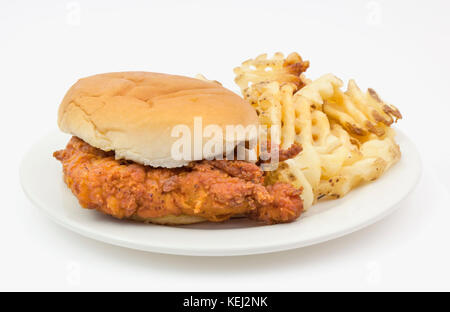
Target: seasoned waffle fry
{"type": "Point", "coordinates": [346, 136]}
{"type": "Point", "coordinates": [277, 68]}
{"type": "Point", "coordinates": [291, 172]}
{"type": "Point", "coordinates": [320, 89]}
{"type": "Point", "coordinates": [359, 113]}
{"type": "Point", "coordinates": [266, 98]}
{"type": "Point", "coordinates": [277, 106]}
{"type": "Point", "coordinates": [307, 164]}
{"type": "Point", "coordinates": [377, 157]}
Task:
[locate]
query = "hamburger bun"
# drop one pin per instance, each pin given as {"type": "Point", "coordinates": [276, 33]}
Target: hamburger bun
{"type": "Point", "coordinates": [133, 114]}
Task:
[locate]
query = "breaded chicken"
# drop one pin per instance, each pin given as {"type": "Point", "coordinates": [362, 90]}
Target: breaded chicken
{"type": "Point", "coordinates": [215, 190]}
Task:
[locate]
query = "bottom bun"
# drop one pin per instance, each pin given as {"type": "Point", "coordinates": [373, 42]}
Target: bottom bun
{"type": "Point", "coordinates": [171, 220]}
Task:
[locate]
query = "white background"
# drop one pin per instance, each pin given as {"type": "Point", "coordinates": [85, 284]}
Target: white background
{"type": "Point", "coordinates": [400, 48]}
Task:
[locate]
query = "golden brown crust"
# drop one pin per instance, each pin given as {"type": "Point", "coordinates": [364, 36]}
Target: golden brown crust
{"type": "Point", "coordinates": [206, 190]}
{"type": "Point", "coordinates": [171, 220]}
{"type": "Point", "coordinates": [133, 113]}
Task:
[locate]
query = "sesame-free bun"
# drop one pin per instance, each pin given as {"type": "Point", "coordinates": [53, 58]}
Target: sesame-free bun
{"type": "Point", "coordinates": [133, 113]}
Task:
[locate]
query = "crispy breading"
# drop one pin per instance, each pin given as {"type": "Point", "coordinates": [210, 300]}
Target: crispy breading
{"type": "Point", "coordinates": [214, 190]}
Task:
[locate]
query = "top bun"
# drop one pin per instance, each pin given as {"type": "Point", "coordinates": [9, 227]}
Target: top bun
{"type": "Point", "coordinates": [133, 113]}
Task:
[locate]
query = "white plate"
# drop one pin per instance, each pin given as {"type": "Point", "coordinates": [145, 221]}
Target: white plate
{"type": "Point", "coordinates": [41, 177]}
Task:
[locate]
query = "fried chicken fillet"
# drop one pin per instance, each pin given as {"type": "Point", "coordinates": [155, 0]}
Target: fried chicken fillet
{"type": "Point", "coordinates": [215, 190]}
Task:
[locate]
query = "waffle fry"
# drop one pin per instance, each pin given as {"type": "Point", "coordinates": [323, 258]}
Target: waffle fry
{"type": "Point", "coordinates": [346, 135]}
{"type": "Point", "coordinates": [320, 89]}
{"type": "Point", "coordinates": [277, 68]}
{"type": "Point", "coordinates": [361, 114]}
{"type": "Point", "coordinates": [377, 157]}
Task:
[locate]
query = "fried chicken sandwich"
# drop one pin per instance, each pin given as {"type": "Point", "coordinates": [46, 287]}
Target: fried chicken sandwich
{"type": "Point", "coordinates": [120, 159]}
